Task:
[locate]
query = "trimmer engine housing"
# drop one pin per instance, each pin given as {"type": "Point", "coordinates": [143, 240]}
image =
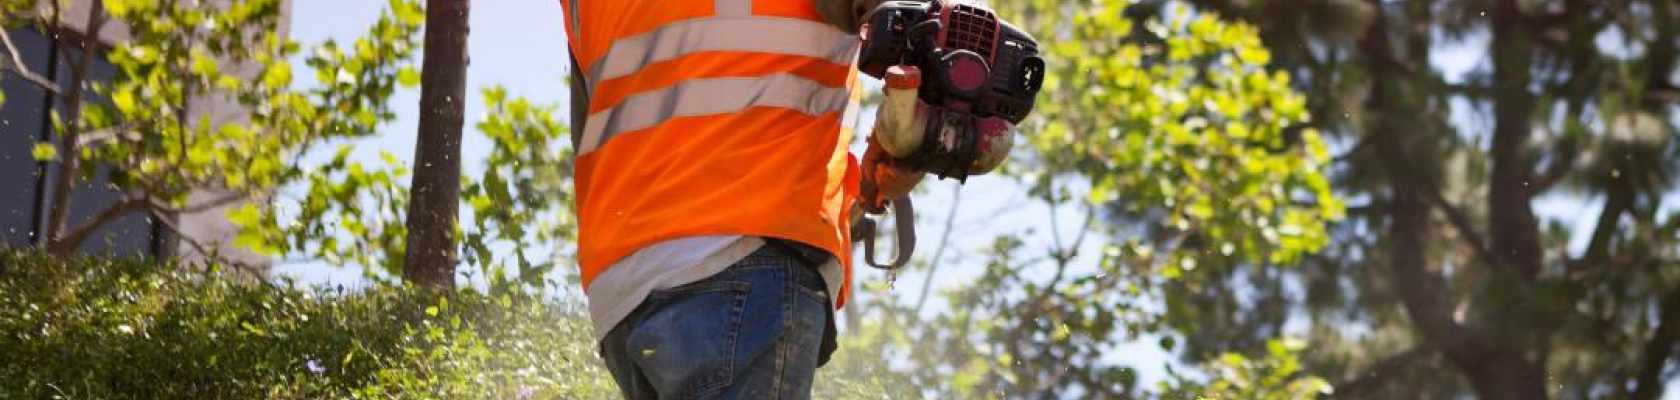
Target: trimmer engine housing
{"type": "Point", "coordinates": [971, 61]}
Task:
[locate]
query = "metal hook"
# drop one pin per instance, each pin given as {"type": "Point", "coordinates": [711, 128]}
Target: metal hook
{"type": "Point", "coordinates": [904, 223]}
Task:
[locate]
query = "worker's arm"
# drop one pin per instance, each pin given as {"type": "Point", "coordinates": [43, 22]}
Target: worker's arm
{"type": "Point", "coordinates": [580, 101]}
{"type": "Point", "coordinates": [845, 14]}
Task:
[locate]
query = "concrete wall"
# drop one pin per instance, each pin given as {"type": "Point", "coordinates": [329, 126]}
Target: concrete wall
{"type": "Point", "coordinates": [211, 227]}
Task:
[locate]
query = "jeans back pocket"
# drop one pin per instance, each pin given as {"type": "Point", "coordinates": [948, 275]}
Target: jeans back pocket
{"type": "Point", "coordinates": [687, 344]}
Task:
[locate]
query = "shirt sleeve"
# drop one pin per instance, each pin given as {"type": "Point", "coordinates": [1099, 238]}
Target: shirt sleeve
{"type": "Point", "coordinates": [580, 102]}
{"type": "Point", "coordinates": [845, 14]}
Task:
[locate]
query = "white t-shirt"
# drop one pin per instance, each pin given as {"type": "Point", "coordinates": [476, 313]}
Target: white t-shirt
{"type": "Point", "coordinates": [616, 292]}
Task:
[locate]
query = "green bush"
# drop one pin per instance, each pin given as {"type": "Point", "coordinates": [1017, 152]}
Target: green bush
{"type": "Point", "coordinates": [104, 329]}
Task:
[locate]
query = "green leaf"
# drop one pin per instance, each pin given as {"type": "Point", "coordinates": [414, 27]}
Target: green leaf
{"type": "Point", "coordinates": [494, 96]}
{"type": "Point", "coordinates": [408, 12]}
{"type": "Point", "coordinates": [253, 329]}
{"type": "Point", "coordinates": [44, 151]}
{"type": "Point", "coordinates": [278, 75]}
{"type": "Point", "coordinates": [408, 77]}
{"type": "Point", "coordinates": [95, 116]}
{"type": "Point", "coordinates": [124, 100]}
{"type": "Point", "coordinates": [203, 64]}
{"type": "Point", "coordinates": [341, 155]}
{"type": "Point", "coordinates": [118, 8]}
{"type": "Point", "coordinates": [246, 215]}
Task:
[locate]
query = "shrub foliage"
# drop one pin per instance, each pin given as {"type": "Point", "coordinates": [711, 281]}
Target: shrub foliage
{"type": "Point", "coordinates": [105, 329]}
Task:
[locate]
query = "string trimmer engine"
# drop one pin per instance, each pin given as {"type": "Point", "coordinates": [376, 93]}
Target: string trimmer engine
{"type": "Point", "coordinates": [971, 73]}
{"type": "Point", "coordinates": [958, 79]}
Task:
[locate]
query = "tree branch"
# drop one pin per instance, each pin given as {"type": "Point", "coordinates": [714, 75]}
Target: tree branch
{"type": "Point", "coordinates": [1618, 198]}
{"type": "Point", "coordinates": [1055, 228]}
{"type": "Point", "coordinates": [938, 253]}
{"type": "Point", "coordinates": [167, 223]}
{"type": "Point", "coordinates": [115, 132]}
{"type": "Point", "coordinates": [1621, 195]}
{"type": "Point", "coordinates": [1423, 293]}
{"type": "Point", "coordinates": [1659, 349]}
{"type": "Point", "coordinates": [17, 66]}
{"type": "Point", "coordinates": [72, 238]}
{"type": "Point", "coordinates": [1364, 142]}
{"type": "Point", "coordinates": [59, 213]}
{"type": "Point", "coordinates": [63, 245]}
{"type": "Point", "coordinates": [1472, 91]}
{"type": "Point", "coordinates": [1380, 372]}
{"type": "Point", "coordinates": [1084, 229]}
{"type": "Point", "coordinates": [225, 199]}
{"type": "Point", "coordinates": [1461, 224]}
{"type": "Point", "coordinates": [1559, 168]}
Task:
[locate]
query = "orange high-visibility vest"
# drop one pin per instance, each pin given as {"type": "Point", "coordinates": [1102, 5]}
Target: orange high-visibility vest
{"type": "Point", "coordinates": [711, 117]}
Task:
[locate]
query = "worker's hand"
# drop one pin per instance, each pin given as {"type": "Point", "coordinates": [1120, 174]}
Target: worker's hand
{"type": "Point", "coordinates": [884, 178]}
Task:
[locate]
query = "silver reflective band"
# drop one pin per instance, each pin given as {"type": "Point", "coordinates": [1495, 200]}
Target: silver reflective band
{"type": "Point", "coordinates": [776, 35]}
{"type": "Point", "coordinates": [710, 97]}
{"type": "Point", "coordinates": [732, 8]}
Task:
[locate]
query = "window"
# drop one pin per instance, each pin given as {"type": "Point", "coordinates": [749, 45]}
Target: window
{"type": "Point", "coordinates": [21, 122]}
{"type": "Point", "coordinates": [24, 122]}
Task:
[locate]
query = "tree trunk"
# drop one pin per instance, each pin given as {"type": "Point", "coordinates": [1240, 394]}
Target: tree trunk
{"type": "Point", "coordinates": [1502, 374]}
{"type": "Point", "coordinates": [1514, 366]}
{"type": "Point", "coordinates": [1513, 228]}
{"type": "Point", "coordinates": [435, 191]}
{"type": "Point", "coordinates": [1658, 350]}
{"type": "Point", "coordinates": [1496, 367]}
{"type": "Point", "coordinates": [59, 241]}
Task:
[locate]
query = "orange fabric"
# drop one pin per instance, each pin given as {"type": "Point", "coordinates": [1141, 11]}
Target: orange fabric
{"type": "Point", "coordinates": [764, 171]}
{"type": "Point", "coordinates": [610, 92]}
{"type": "Point", "coordinates": [792, 9]}
{"type": "Point", "coordinates": [747, 182]}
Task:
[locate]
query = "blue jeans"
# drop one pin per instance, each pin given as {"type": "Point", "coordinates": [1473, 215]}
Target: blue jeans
{"type": "Point", "coordinates": [753, 331]}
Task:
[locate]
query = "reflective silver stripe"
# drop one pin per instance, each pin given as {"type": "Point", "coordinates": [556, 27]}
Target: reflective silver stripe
{"type": "Point", "coordinates": [732, 8]}
{"type": "Point", "coordinates": [712, 96]}
{"type": "Point", "coordinates": [750, 34]}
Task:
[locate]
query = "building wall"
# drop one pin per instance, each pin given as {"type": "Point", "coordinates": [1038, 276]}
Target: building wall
{"type": "Point", "coordinates": [210, 227]}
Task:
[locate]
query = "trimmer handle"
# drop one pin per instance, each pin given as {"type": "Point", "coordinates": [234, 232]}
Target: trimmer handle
{"type": "Point", "coordinates": [904, 223]}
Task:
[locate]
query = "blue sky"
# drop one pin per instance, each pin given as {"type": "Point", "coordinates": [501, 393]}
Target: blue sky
{"type": "Point", "coordinates": [520, 44]}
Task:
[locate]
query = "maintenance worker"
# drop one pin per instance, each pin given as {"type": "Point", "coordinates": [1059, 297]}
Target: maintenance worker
{"type": "Point", "coordinates": [714, 188]}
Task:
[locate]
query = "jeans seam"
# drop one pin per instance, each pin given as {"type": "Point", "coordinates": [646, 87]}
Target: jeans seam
{"type": "Point", "coordinates": [734, 334]}
{"type": "Point", "coordinates": [788, 283]}
{"type": "Point", "coordinates": [716, 283]}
